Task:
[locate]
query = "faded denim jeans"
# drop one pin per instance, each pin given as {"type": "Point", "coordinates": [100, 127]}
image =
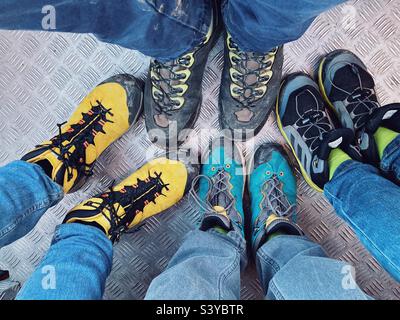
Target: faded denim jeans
{"type": "Point", "coordinates": [289, 267]}
{"type": "Point", "coordinates": [165, 29]}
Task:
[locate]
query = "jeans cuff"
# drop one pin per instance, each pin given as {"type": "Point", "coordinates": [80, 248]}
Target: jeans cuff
{"type": "Point", "coordinates": [391, 154]}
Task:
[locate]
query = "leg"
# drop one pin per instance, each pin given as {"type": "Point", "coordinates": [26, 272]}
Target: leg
{"type": "Point", "coordinates": [80, 257]}
{"type": "Point", "coordinates": [26, 193]}
{"type": "Point", "coordinates": [294, 268]}
{"type": "Point", "coordinates": [390, 163]}
{"type": "Point", "coordinates": [370, 204]}
{"type": "Point", "coordinates": [75, 268]}
{"type": "Point", "coordinates": [263, 24]}
{"type": "Point", "coordinates": [207, 266]}
{"type": "Point", "coordinates": [147, 26]}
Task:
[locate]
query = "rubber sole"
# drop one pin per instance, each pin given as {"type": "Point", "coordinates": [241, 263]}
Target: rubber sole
{"type": "Point", "coordinates": [279, 122]}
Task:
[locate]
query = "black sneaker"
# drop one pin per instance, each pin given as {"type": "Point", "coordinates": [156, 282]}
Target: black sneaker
{"type": "Point", "coordinates": [306, 126]}
{"type": "Point", "coordinates": [173, 94]}
{"type": "Point", "coordinates": [349, 89]}
{"type": "Point", "coordinates": [250, 84]}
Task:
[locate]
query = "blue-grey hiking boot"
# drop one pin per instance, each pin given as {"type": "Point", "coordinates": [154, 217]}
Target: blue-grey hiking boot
{"type": "Point", "coordinates": [349, 89]}
{"type": "Point", "coordinates": [249, 86]}
{"type": "Point", "coordinates": [221, 187]}
{"type": "Point", "coordinates": [306, 126]}
{"type": "Point", "coordinates": [173, 92]}
{"type": "Point", "coordinates": [272, 188]}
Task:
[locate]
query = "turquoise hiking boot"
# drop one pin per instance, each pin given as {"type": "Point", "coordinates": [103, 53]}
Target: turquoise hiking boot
{"type": "Point", "coordinates": [272, 188]}
{"type": "Point", "coordinates": [221, 187]}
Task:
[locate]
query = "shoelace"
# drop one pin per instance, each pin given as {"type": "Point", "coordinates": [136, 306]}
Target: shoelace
{"type": "Point", "coordinates": [71, 160]}
{"type": "Point", "coordinates": [359, 101]}
{"type": "Point", "coordinates": [315, 124]}
{"type": "Point", "coordinates": [247, 99]}
{"type": "Point", "coordinates": [77, 158]}
{"type": "Point", "coordinates": [166, 86]}
{"type": "Point", "coordinates": [361, 106]}
{"type": "Point", "coordinates": [217, 185]}
{"type": "Point", "coordinates": [275, 200]}
{"type": "Point", "coordinates": [116, 226]}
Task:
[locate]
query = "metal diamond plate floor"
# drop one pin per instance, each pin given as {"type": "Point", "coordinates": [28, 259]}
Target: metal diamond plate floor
{"type": "Point", "coordinates": [43, 76]}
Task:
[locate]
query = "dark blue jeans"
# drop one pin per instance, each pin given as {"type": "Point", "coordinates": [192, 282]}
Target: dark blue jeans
{"type": "Point", "coordinates": [165, 29]}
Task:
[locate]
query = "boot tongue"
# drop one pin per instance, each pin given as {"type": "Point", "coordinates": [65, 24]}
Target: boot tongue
{"type": "Point", "coordinates": [334, 139]}
{"type": "Point", "coordinates": [351, 78]}
{"type": "Point", "coordinates": [381, 114]}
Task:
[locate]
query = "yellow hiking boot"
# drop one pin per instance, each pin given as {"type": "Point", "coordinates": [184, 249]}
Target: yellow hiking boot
{"type": "Point", "coordinates": [102, 117]}
{"type": "Point", "coordinates": [152, 189]}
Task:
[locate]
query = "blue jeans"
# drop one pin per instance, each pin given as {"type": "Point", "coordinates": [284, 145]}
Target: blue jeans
{"type": "Point", "coordinates": [164, 30]}
{"type": "Point", "coordinates": [80, 257]}
{"type": "Point", "coordinates": [208, 266]}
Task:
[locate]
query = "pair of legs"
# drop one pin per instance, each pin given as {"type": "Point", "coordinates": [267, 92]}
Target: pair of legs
{"type": "Point", "coordinates": [166, 29]}
{"type": "Point", "coordinates": [209, 262]}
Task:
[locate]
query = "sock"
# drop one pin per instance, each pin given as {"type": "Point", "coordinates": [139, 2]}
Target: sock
{"type": "Point", "coordinates": [220, 230]}
{"type": "Point", "coordinates": [275, 234]}
{"type": "Point", "coordinates": [383, 137]}
{"type": "Point", "coordinates": [336, 158]}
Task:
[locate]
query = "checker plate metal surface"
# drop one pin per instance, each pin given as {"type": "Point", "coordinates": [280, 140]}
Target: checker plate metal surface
{"type": "Point", "coordinates": [43, 76]}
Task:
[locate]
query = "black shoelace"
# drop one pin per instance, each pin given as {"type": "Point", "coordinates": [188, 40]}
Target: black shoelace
{"type": "Point", "coordinates": [128, 198]}
{"type": "Point", "coordinates": [76, 159]}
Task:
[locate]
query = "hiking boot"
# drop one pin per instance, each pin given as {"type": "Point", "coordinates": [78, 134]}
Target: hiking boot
{"type": "Point", "coordinates": [272, 188]}
{"type": "Point", "coordinates": [250, 85]}
{"type": "Point", "coordinates": [221, 187]}
{"type": "Point", "coordinates": [173, 93]}
{"type": "Point", "coordinates": [151, 190]}
{"type": "Point", "coordinates": [102, 117]}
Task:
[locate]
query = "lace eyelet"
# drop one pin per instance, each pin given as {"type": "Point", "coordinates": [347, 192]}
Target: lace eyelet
{"type": "Point", "coordinates": [268, 173]}
{"type": "Point", "coordinates": [213, 169]}
{"type": "Point", "coordinates": [281, 174]}
{"type": "Point", "coordinates": [227, 166]}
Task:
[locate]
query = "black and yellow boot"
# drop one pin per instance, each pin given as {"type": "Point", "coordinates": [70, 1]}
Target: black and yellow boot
{"type": "Point", "coordinates": [152, 189]}
{"type": "Point", "coordinates": [102, 117]}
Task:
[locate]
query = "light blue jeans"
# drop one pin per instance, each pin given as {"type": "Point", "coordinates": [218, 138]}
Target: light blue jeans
{"type": "Point", "coordinates": [161, 28]}
{"type": "Point", "coordinates": [80, 257]}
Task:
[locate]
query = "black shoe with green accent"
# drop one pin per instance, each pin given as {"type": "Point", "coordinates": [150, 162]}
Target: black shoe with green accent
{"type": "Point", "coordinates": [349, 89]}
{"type": "Point", "coordinates": [305, 124]}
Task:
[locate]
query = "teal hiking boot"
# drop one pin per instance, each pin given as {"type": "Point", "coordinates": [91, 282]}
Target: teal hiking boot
{"type": "Point", "coordinates": [272, 188]}
{"type": "Point", "coordinates": [221, 187]}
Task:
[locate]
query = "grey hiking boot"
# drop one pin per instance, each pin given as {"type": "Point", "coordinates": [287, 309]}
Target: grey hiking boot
{"type": "Point", "coordinates": [173, 93]}
{"type": "Point", "coordinates": [250, 84]}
